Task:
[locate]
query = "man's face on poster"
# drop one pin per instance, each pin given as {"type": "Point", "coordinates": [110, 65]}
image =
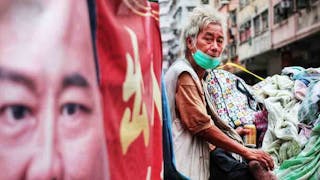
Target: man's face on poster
{"type": "Point", "coordinates": [50, 108]}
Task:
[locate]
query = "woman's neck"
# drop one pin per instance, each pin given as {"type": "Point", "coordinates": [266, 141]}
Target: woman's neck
{"type": "Point", "coordinates": [200, 71]}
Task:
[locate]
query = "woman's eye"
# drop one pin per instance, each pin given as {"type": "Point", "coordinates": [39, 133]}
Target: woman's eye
{"type": "Point", "coordinates": [70, 109]}
{"type": "Point", "coordinates": [208, 40]}
{"type": "Point", "coordinates": [16, 112]}
{"type": "Point", "coordinates": [220, 40]}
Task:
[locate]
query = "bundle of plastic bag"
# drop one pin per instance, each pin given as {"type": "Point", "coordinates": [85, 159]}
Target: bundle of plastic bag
{"type": "Point", "coordinates": [310, 106]}
{"type": "Point", "coordinates": [307, 164]}
{"type": "Point", "coordinates": [281, 139]}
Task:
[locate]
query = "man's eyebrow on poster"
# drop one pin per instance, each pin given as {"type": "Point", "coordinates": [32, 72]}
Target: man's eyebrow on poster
{"type": "Point", "coordinates": [17, 108]}
{"type": "Point", "coordinates": [72, 80]}
{"type": "Point", "coordinates": [76, 80]}
{"type": "Point", "coordinates": [7, 75]}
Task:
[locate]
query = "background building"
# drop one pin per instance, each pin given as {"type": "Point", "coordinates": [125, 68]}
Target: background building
{"type": "Point", "coordinates": [173, 14]}
{"type": "Point", "coordinates": [272, 34]}
{"type": "Point", "coordinates": [263, 35]}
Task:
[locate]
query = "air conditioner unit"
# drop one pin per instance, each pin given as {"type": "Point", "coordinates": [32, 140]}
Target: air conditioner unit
{"type": "Point", "coordinates": [285, 4]}
{"type": "Point", "coordinates": [234, 31]}
{"type": "Point", "coordinates": [223, 2]}
{"type": "Point", "coordinates": [284, 8]}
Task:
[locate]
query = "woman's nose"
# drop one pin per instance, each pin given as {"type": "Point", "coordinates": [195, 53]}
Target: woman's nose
{"type": "Point", "coordinates": [214, 45]}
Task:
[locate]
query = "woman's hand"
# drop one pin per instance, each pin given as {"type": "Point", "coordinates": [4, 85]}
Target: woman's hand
{"type": "Point", "coordinates": [242, 131]}
{"type": "Point", "coordinates": [264, 158]}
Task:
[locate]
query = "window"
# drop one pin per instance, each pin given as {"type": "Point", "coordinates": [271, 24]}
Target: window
{"type": "Point", "coordinates": [232, 50]}
{"type": "Point", "coordinates": [205, 1]}
{"type": "Point", "coordinates": [242, 34]}
{"type": "Point", "coordinates": [277, 14]}
{"type": "Point", "coordinates": [265, 20]}
{"type": "Point", "coordinates": [260, 23]}
{"type": "Point", "coordinates": [282, 10]}
{"type": "Point", "coordinates": [232, 33]}
{"type": "Point", "coordinates": [245, 32]}
{"type": "Point", "coordinates": [248, 30]}
{"type": "Point", "coordinates": [233, 18]}
{"type": "Point", "coordinates": [256, 23]}
{"type": "Point", "coordinates": [302, 4]}
{"type": "Point", "coordinates": [190, 8]}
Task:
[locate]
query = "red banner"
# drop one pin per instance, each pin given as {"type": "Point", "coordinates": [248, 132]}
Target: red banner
{"type": "Point", "coordinates": [130, 58]}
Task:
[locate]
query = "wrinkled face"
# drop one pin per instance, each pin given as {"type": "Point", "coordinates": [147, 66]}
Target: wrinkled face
{"type": "Point", "coordinates": [209, 40]}
{"type": "Point", "coordinates": [50, 111]}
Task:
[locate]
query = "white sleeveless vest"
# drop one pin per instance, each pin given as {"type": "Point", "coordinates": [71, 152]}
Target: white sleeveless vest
{"type": "Point", "coordinates": [191, 153]}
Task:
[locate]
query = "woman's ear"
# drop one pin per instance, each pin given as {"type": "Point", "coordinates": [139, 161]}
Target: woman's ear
{"type": "Point", "coordinates": [189, 42]}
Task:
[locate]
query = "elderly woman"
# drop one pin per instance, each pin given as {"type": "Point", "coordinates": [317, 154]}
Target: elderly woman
{"type": "Point", "coordinates": [197, 129]}
{"type": "Point", "coordinates": [50, 108]}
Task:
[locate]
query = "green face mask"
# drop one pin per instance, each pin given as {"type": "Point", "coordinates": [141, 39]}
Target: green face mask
{"type": "Point", "coordinates": [205, 61]}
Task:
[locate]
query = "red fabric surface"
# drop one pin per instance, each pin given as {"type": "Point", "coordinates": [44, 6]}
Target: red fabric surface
{"type": "Point", "coordinates": [130, 59]}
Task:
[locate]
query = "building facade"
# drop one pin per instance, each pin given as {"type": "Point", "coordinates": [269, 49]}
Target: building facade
{"type": "Point", "coordinates": [263, 35]}
{"type": "Point", "coordinates": [173, 14]}
{"type": "Point", "coordinates": [272, 34]}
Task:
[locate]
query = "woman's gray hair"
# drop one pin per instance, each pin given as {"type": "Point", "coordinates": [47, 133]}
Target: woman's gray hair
{"type": "Point", "coordinates": [199, 18]}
